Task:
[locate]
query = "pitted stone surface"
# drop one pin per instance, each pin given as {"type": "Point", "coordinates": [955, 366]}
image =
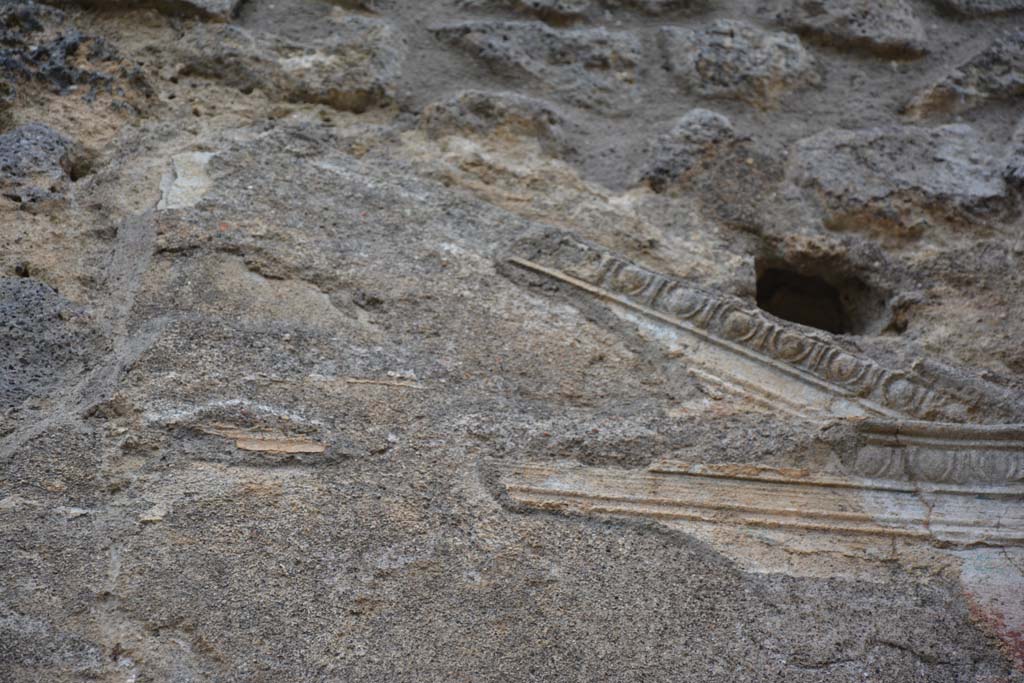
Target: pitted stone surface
{"type": "Point", "coordinates": [655, 7]}
{"type": "Point", "coordinates": [486, 114]}
{"type": "Point", "coordinates": [39, 45]}
{"type": "Point", "coordinates": [559, 11]}
{"type": "Point", "coordinates": [992, 75]}
{"type": "Point", "coordinates": [35, 165]}
{"type": "Point", "coordinates": [215, 9]}
{"type": "Point", "coordinates": [693, 138]}
{"type": "Point", "coordinates": [44, 340]}
{"type": "Point", "coordinates": [549, 10]}
{"type": "Point", "coordinates": [883, 27]}
{"type": "Point", "coordinates": [737, 60]}
{"type": "Point", "coordinates": [354, 69]}
{"type": "Point", "coordinates": [593, 68]}
{"type": "Point", "coordinates": [901, 180]}
{"type": "Point", "coordinates": [980, 8]}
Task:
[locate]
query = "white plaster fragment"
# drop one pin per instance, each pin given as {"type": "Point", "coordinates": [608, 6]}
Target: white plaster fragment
{"type": "Point", "coordinates": [186, 181]}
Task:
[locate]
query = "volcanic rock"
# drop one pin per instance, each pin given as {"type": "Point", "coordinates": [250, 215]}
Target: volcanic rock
{"type": "Point", "coordinates": [883, 27]}
{"type": "Point", "coordinates": [35, 165]}
{"type": "Point", "coordinates": [994, 74]}
{"type": "Point", "coordinates": [354, 70]}
{"type": "Point", "coordinates": [593, 68]}
{"type": "Point", "coordinates": [901, 180]}
{"type": "Point", "coordinates": [733, 59]}
{"type": "Point", "coordinates": [980, 8]}
{"type": "Point", "coordinates": [693, 137]}
{"type": "Point", "coordinates": [223, 10]}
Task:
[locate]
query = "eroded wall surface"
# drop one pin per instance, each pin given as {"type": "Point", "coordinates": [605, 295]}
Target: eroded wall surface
{"type": "Point", "coordinates": [490, 340]}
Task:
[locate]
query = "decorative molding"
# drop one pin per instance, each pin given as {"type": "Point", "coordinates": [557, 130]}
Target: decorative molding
{"type": "Point", "coordinates": [913, 470]}
{"type": "Point", "coordinates": [788, 500]}
{"type": "Point", "coordinates": [940, 452]}
{"type": "Point", "coordinates": [747, 350]}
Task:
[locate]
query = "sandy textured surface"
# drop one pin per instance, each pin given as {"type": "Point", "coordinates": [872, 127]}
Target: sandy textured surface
{"type": "Point", "coordinates": [512, 340]}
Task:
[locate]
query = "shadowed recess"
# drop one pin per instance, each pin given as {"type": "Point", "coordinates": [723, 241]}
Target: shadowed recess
{"type": "Point", "coordinates": [804, 299]}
